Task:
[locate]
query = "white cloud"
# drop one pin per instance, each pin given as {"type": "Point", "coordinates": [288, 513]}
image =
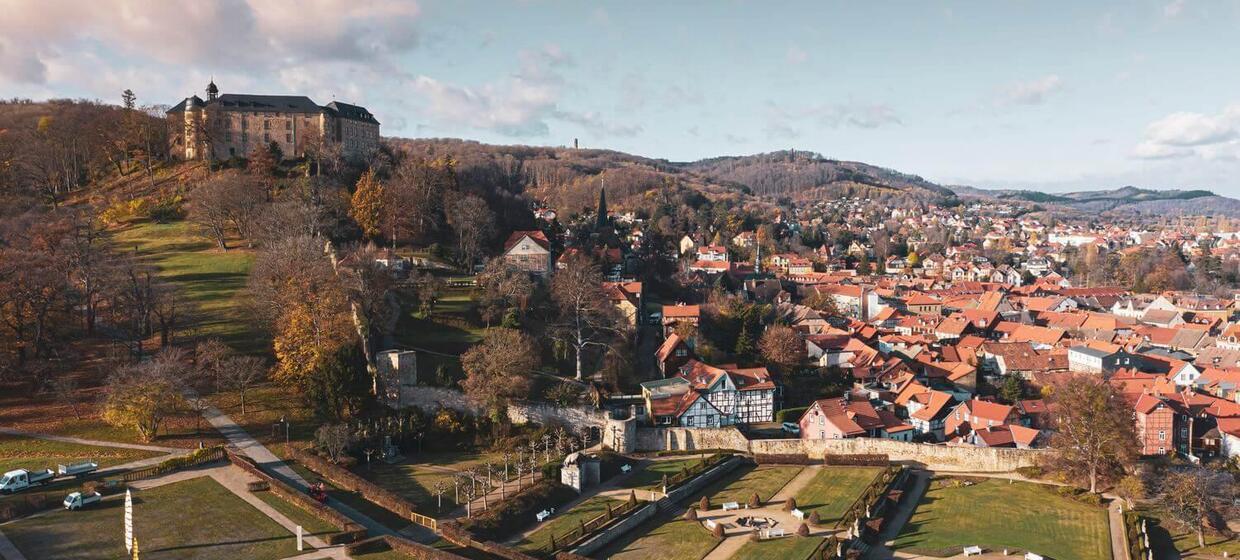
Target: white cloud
{"type": "Point", "coordinates": [782, 122]}
{"type": "Point", "coordinates": [1032, 92]}
{"type": "Point", "coordinates": [796, 55]}
{"type": "Point", "coordinates": [1174, 8]}
{"type": "Point", "coordinates": [1184, 134]}
{"type": "Point", "coordinates": [594, 122]}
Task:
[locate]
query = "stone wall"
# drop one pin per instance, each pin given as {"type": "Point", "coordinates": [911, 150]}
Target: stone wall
{"type": "Point", "coordinates": [604, 537]}
{"type": "Point", "coordinates": [431, 398]}
{"type": "Point", "coordinates": [632, 438]}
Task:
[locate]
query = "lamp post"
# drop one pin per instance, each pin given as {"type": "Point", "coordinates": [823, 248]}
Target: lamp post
{"type": "Point", "coordinates": [284, 421]}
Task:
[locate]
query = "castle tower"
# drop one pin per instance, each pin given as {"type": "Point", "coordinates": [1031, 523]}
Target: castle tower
{"type": "Point", "coordinates": [212, 90]}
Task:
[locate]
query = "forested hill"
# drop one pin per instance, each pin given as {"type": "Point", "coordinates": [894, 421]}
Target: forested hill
{"type": "Point", "coordinates": [1125, 200]}
{"type": "Point", "coordinates": [803, 176]}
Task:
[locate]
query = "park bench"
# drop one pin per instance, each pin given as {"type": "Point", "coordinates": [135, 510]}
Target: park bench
{"type": "Point", "coordinates": [626, 468]}
{"type": "Point", "coordinates": [798, 514]}
{"type": "Point", "coordinates": [774, 533]}
{"type": "Point", "coordinates": [544, 514]}
{"type": "Point", "coordinates": [972, 550]}
{"type": "Point", "coordinates": [1032, 556]}
{"type": "Point", "coordinates": [729, 506]}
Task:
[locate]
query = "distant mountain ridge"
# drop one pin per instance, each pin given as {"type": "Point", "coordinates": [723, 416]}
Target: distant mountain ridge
{"type": "Point", "coordinates": [1125, 199]}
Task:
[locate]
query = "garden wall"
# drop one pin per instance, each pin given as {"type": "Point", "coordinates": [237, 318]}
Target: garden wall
{"type": "Point", "coordinates": [629, 437]}
{"type": "Point", "coordinates": [430, 399]}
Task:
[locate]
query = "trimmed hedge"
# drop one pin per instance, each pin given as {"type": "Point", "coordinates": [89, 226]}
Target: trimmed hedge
{"type": "Point", "coordinates": [517, 512]}
{"type": "Point", "coordinates": [784, 459]}
{"type": "Point", "coordinates": [351, 482]}
{"type": "Point", "coordinates": [790, 414]}
{"type": "Point", "coordinates": [455, 534]}
{"type": "Point", "coordinates": [679, 452]}
{"type": "Point", "coordinates": [197, 457]}
{"type": "Point", "coordinates": [856, 460]}
{"type": "Point", "coordinates": [349, 530]}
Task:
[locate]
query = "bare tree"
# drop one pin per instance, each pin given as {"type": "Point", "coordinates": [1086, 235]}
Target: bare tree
{"type": "Point", "coordinates": [587, 320]}
{"type": "Point", "coordinates": [240, 373]}
{"type": "Point", "coordinates": [334, 439]}
{"type": "Point", "coordinates": [1094, 435]}
{"type": "Point", "coordinates": [1196, 497]}
{"type": "Point", "coordinates": [474, 224]}
{"type": "Point", "coordinates": [497, 369]}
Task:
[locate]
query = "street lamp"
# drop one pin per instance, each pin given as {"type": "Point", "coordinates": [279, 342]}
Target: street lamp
{"type": "Point", "coordinates": [284, 421]}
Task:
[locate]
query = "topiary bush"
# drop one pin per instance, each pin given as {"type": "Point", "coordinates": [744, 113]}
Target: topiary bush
{"type": "Point", "coordinates": [691, 514]}
{"type": "Point", "coordinates": [704, 503]}
{"type": "Point", "coordinates": [790, 504]}
{"type": "Point", "coordinates": [803, 530]}
{"type": "Point", "coordinates": [755, 500]}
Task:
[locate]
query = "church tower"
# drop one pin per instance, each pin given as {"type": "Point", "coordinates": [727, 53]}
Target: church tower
{"type": "Point", "coordinates": [212, 90]}
{"type": "Point", "coordinates": [602, 208]}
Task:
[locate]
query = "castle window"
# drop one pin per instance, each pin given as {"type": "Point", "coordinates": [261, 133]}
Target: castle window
{"type": "Point", "coordinates": [266, 137]}
{"type": "Point", "coordinates": [288, 137]}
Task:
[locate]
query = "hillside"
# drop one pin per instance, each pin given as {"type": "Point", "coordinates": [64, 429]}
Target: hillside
{"type": "Point", "coordinates": [1125, 200]}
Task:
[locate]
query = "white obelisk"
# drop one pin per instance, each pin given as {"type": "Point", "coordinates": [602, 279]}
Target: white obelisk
{"type": "Point", "coordinates": [128, 521]}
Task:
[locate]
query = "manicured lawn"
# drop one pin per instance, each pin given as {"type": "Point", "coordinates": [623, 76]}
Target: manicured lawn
{"type": "Point", "coordinates": [30, 453]}
{"type": "Point", "coordinates": [195, 519]}
{"type": "Point", "coordinates": [564, 522]}
{"type": "Point", "coordinates": [211, 279]}
{"type": "Point", "coordinates": [310, 523]}
{"type": "Point", "coordinates": [786, 548]}
{"type": "Point", "coordinates": [994, 514]}
{"type": "Point", "coordinates": [652, 473]}
{"type": "Point", "coordinates": [265, 406]}
{"type": "Point", "coordinates": [665, 539]}
{"type": "Point", "coordinates": [744, 481]}
{"type": "Point", "coordinates": [353, 500]}
{"type": "Point", "coordinates": [833, 489]}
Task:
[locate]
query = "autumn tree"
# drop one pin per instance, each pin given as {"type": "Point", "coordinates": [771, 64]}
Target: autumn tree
{"type": "Point", "coordinates": [226, 202]}
{"type": "Point", "coordinates": [504, 289]}
{"type": "Point", "coordinates": [586, 318]}
{"type": "Point", "coordinates": [782, 346]}
{"type": "Point", "coordinates": [1195, 497]}
{"type": "Point", "coordinates": [474, 224]}
{"type": "Point", "coordinates": [141, 396]}
{"type": "Point", "coordinates": [369, 204]}
{"type": "Point", "coordinates": [1093, 436]}
{"type": "Point", "coordinates": [497, 369]}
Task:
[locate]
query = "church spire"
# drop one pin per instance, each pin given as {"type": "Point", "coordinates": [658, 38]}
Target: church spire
{"type": "Point", "coordinates": [602, 207]}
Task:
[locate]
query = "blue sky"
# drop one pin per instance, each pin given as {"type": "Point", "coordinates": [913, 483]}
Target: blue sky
{"type": "Point", "coordinates": [1042, 95]}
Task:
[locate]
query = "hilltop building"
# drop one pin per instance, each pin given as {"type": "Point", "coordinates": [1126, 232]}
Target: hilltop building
{"type": "Point", "coordinates": [235, 124]}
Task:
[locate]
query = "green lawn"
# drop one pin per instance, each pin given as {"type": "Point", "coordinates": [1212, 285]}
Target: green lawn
{"type": "Point", "coordinates": [741, 483]}
{"type": "Point", "coordinates": [309, 522]}
{"type": "Point", "coordinates": [652, 473]}
{"type": "Point", "coordinates": [562, 523]}
{"type": "Point", "coordinates": [833, 490]}
{"type": "Point", "coordinates": [195, 519]}
{"type": "Point", "coordinates": [786, 548]}
{"type": "Point", "coordinates": [994, 514]}
{"type": "Point", "coordinates": [354, 500]}
{"type": "Point", "coordinates": [665, 539]}
{"type": "Point", "coordinates": [417, 330]}
{"type": "Point", "coordinates": [210, 279]}
{"type": "Point", "coordinates": [21, 452]}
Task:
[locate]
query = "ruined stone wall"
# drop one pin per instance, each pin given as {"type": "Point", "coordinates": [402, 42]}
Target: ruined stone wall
{"type": "Point", "coordinates": [432, 398]}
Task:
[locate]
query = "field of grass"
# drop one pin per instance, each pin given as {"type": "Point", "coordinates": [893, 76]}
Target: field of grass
{"type": "Point", "coordinates": [418, 330]}
{"type": "Point", "coordinates": [414, 480]}
{"type": "Point", "coordinates": [766, 481]}
{"type": "Point", "coordinates": [786, 548]}
{"type": "Point", "coordinates": [1168, 537]}
{"type": "Point", "coordinates": [564, 522]}
{"type": "Point", "coordinates": [210, 279]}
{"type": "Point", "coordinates": [652, 473]}
{"type": "Point", "coordinates": [994, 514]}
{"type": "Point", "coordinates": [354, 500]}
{"type": "Point", "coordinates": [30, 453]}
{"type": "Point", "coordinates": [665, 539]}
{"type": "Point", "coordinates": [310, 523]}
{"type": "Point", "coordinates": [833, 489]}
{"type": "Point", "coordinates": [265, 406]}
{"type": "Point", "coordinates": [195, 519]}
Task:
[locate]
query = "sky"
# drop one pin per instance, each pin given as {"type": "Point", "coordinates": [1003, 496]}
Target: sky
{"type": "Point", "coordinates": [1045, 95]}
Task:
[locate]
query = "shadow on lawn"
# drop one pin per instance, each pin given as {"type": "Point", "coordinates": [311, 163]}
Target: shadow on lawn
{"type": "Point", "coordinates": [220, 543]}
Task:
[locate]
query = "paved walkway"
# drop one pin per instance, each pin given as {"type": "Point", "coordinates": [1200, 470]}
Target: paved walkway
{"type": "Point", "coordinates": [239, 438]}
{"type": "Point", "coordinates": [8, 551]}
{"type": "Point", "coordinates": [95, 442]}
{"type": "Point", "coordinates": [736, 536]}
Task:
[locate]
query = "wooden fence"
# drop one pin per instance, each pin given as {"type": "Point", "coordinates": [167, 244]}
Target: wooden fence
{"type": "Point", "coordinates": [584, 529]}
{"type": "Point", "coordinates": [198, 457]}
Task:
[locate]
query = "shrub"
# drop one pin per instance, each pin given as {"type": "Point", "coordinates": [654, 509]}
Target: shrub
{"type": "Point", "coordinates": [257, 486]}
{"type": "Point", "coordinates": [803, 530]}
{"type": "Point", "coordinates": [1032, 471]}
{"type": "Point", "coordinates": [718, 531]}
{"type": "Point", "coordinates": [814, 519]}
{"type": "Point", "coordinates": [790, 414]}
{"type": "Point", "coordinates": [790, 504]}
{"type": "Point", "coordinates": [691, 514]}
{"type": "Point", "coordinates": [704, 503]}
{"type": "Point", "coordinates": [755, 500]}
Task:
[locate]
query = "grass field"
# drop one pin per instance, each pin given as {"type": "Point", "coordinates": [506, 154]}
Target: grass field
{"type": "Point", "coordinates": [414, 480]}
{"type": "Point", "coordinates": [1168, 537]}
{"type": "Point", "coordinates": [994, 514]}
{"type": "Point", "coordinates": [665, 539]}
{"type": "Point", "coordinates": [30, 453]}
{"type": "Point", "coordinates": [564, 522]}
{"type": "Point", "coordinates": [786, 548]}
{"type": "Point", "coordinates": [308, 521]}
{"type": "Point", "coordinates": [766, 481]}
{"type": "Point", "coordinates": [210, 279]}
{"type": "Point", "coordinates": [353, 500]}
{"type": "Point", "coordinates": [420, 331]}
{"type": "Point", "coordinates": [833, 489]}
{"type": "Point", "coordinates": [194, 520]}
{"type": "Point", "coordinates": [265, 406]}
{"type": "Point", "coordinates": [652, 473]}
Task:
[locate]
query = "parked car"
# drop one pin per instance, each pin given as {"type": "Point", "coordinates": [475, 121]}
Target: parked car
{"type": "Point", "coordinates": [79, 500]}
{"type": "Point", "coordinates": [792, 428]}
{"type": "Point", "coordinates": [21, 479]}
{"type": "Point", "coordinates": [77, 469]}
